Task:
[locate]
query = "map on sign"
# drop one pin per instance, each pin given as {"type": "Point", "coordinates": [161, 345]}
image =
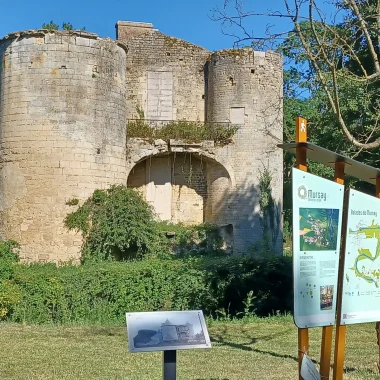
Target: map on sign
{"type": "Point", "coordinates": [361, 286]}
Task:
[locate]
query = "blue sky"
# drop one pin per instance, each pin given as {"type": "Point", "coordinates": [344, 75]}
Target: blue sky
{"type": "Point", "coordinates": [186, 19]}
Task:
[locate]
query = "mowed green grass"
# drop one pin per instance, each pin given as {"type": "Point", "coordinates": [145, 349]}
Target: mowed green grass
{"type": "Point", "coordinates": [258, 349]}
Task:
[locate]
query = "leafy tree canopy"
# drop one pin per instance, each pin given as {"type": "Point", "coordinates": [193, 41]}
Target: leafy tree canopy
{"type": "Point", "coordinates": [333, 54]}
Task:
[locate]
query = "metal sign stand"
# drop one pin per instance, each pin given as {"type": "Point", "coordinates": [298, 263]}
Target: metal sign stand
{"type": "Point", "coordinates": [169, 367]}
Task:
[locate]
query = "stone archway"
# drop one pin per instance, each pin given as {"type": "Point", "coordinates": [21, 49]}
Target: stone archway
{"type": "Point", "coordinates": [181, 187]}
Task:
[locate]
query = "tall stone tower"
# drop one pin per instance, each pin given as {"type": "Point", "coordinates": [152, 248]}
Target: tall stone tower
{"type": "Point", "coordinates": [245, 88]}
{"type": "Point", "coordinates": [62, 133]}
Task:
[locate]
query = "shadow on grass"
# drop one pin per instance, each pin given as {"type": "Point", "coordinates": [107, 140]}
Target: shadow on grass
{"type": "Point", "coordinates": [245, 347]}
{"type": "Point", "coordinates": [219, 338]}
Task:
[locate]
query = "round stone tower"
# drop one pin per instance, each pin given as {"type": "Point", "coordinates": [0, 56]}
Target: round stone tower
{"type": "Point", "coordinates": [244, 87]}
{"type": "Point", "coordinates": [62, 133]}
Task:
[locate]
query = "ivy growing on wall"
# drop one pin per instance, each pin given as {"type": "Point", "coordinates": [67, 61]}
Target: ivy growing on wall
{"type": "Point", "coordinates": [116, 224]}
{"type": "Point", "coordinates": [187, 131]}
{"type": "Point", "coordinates": [269, 211]}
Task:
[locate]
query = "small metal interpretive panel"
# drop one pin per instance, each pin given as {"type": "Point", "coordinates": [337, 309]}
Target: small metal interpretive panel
{"type": "Point", "coordinates": [167, 330]}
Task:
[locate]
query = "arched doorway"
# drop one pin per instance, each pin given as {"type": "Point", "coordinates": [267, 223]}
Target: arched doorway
{"type": "Point", "coordinates": [181, 186]}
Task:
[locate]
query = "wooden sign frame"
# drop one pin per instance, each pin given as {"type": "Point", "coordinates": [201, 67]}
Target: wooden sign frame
{"type": "Point", "coordinates": [342, 165]}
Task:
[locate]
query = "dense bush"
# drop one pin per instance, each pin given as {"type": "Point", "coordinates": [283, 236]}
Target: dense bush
{"type": "Point", "coordinates": [200, 240]}
{"type": "Point", "coordinates": [9, 293]}
{"type": "Point", "coordinates": [270, 279]}
{"type": "Point", "coordinates": [9, 251]}
{"type": "Point", "coordinates": [8, 256]}
{"type": "Point", "coordinates": [104, 292]}
{"type": "Point", "coordinates": [116, 223]}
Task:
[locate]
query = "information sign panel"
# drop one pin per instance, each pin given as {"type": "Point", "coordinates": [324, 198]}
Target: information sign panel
{"type": "Point", "coordinates": [361, 279]}
{"type": "Point", "coordinates": [167, 330]}
{"type": "Point", "coordinates": [317, 223]}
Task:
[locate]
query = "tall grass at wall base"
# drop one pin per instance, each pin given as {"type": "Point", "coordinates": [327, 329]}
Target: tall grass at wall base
{"type": "Point", "coordinates": [104, 292]}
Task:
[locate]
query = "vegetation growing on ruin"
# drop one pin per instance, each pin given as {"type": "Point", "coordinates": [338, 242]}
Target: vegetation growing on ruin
{"type": "Point", "coordinates": [172, 41]}
{"type": "Point", "coordinates": [185, 241]}
{"type": "Point", "coordinates": [72, 202]}
{"type": "Point", "coordinates": [102, 292]}
{"type": "Point", "coordinates": [9, 251]}
{"type": "Point", "coordinates": [65, 26]}
{"type": "Point", "coordinates": [269, 212]}
{"type": "Point", "coordinates": [118, 224]}
{"type": "Point", "coordinates": [187, 131]}
{"type": "Point", "coordinates": [235, 52]}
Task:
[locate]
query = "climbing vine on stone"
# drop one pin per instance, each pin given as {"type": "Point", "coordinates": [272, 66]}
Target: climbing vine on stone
{"type": "Point", "coordinates": [269, 212]}
{"type": "Point", "coordinates": [187, 131]}
{"type": "Point", "coordinates": [116, 224]}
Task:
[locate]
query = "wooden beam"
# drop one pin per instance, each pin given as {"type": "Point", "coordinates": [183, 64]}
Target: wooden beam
{"type": "Point", "coordinates": [327, 331]}
{"type": "Point", "coordinates": [378, 323]}
{"type": "Point", "coordinates": [301, 164]}
{"type": "Point", "coordinates": [301, 136]}
{"type": "Point", "coordinates": [341, 330]}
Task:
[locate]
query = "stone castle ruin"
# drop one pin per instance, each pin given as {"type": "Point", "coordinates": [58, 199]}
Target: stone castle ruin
{"type": "Point", "coordinates": [67, 98]}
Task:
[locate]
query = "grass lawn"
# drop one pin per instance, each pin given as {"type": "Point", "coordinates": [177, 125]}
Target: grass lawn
{"type": "Point", "coordinates": [259, 349]}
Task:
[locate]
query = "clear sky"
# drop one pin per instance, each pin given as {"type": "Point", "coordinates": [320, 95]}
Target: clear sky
{"type": "Point", "coordinates": [186, 19]}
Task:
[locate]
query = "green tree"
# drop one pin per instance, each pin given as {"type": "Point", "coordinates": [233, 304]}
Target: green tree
{"type": "Point", "coordinates": [50, 26]}
{"type": "Point", "coordinates": [336, 54]}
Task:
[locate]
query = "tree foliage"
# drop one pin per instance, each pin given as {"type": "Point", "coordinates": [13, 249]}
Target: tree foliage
{"type": "Point", "coordinates": [333, 51]}
{"type": "Point", "coordinates": [116, 224]}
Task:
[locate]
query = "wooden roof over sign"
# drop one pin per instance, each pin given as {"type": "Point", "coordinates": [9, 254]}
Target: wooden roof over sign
{"type": "Point", "coordinates": [329, 158]}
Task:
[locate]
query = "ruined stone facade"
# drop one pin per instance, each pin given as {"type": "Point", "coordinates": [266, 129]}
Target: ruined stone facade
{"type": "Point", "coordinates": [65, 98]}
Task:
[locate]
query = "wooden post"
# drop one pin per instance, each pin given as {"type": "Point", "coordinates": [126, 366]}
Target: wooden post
{"type": "Point", "coordinates": [301, 136]}
{"type": "Point", "coordinates": [341, 330]}
{"type": "Point", "coordinates": [378, 323]}
{"type": "Point", "coordinates": [301, 164]}
{"type": "Point", "coordinates": [327, 331]}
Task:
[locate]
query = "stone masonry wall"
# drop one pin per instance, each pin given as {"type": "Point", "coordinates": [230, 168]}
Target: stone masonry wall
{"type": "Point", "coordinates": [65, 98]}
{"type": "Point", "coordinates": [250, 82]}
{"type": "Point", "coordinates": [242, 87]}
{"type": "Point", "coordinates": [188, 185]}
{"type": "Point", "coordinates": [180, 65]}
{"type": "Point", "coordinates": [62, 134]}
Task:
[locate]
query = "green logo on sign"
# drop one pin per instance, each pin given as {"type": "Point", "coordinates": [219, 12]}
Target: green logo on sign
{"type": "Point", "coordinates": [302, 192]}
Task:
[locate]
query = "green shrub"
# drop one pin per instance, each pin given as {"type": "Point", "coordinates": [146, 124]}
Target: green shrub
{"type": "Point", "coordinates": [10, 297]}
{"type": "Point", "coordinates": [269, 278]}
{"type": "Point", "coordinates": [104, 292]}
{"type": "Point", "coordinates": [8, 256]}
{"type": "Point", "coordinates": [200, 240]}
{"type": "Point", "coordinates": [116, 224]}
{"type": "Point", "coordinates": [9, 250]}
{"type": "Point", "coordinates": [187, 131]}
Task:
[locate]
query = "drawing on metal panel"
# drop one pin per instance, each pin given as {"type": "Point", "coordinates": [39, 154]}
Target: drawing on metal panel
{"type": "Point", "coordinates": [167, 330]}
